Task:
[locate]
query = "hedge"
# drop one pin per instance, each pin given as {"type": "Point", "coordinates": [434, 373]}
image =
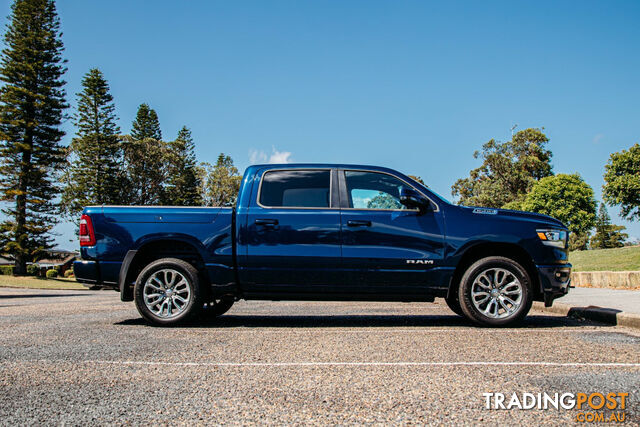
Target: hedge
{"type": "Point", "coordinates": [52, 273]}
{"type": "Point", "coordinates": [6, 270]}
{"type": "Point", "coordinates": [33, 270]}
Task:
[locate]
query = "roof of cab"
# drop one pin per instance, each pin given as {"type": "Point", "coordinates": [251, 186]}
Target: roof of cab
{"type": "Point", "coordinates": [319, 166]}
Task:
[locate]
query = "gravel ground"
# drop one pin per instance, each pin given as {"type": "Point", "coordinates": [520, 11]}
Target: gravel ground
{"type": "Point", "coordinates": [77, 357]}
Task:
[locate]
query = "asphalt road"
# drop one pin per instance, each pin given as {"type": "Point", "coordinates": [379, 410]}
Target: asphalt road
{"type": "Point", "coordinates": [77, 357]}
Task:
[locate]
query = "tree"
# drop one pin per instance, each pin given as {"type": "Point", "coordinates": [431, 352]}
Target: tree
{"type": "Point", "coordinates": [384, 201]}
{"type": "Point", "coordinates": [94, 176]}
{"type": "Point", "coordinates": [607, 235]}
{"type": "Point", "coordinates": [146, 124]}
{"type": "Point", "coordinates": [508, 171]}
{"type": "Point", "coordinates": [183, 185]}
{"type": "Point", "coordinates": [417, 179]}
{"type": "Point", "coordinates": [145, 159]}
{"type": "Point", "coordinates": [565, 197]}
{"type": "Point", "coordinates": [578, 242]}
{"type": "Point", "coordinates": [622, 182]}
{"type": "Point", "coordinates": [220, 183]}
{"type": "Point", "coordinates": [145, 170]}
{"type": "Point", "coordinates": [32, 104]}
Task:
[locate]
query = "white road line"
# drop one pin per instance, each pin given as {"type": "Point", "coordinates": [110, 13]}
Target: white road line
{"type": "Point", "coordinates": [311, 330]}
{"type": "Point", "coordinates": [356, 364]}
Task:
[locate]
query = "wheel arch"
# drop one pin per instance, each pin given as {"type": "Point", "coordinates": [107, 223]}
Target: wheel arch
{"type": "Point", "coordinates": [485, 249]}
{"type": "Point", "coordinates": [152, 249]}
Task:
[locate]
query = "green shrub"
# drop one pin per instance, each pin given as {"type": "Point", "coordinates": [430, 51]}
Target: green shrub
{"type": "Point", "coordinates": [6, 270]}
{"type": "Point", "coordinates": [33, 270]}
{"type": "Point", "coordinates": [68, 273]}
{"type": "Point", "coordinates": [51, 274]}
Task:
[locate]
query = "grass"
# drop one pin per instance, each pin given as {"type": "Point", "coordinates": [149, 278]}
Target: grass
{"type": "Point", "coordinates": [619, 259]}
{"type": "Point", "coordinates": [30, 282]}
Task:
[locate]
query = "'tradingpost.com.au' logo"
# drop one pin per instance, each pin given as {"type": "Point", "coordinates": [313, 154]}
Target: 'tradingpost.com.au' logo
{"type": "Point", "coordinates": [592, 407]}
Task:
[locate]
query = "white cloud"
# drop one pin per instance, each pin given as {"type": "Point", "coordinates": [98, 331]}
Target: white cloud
{"type": "Point", "coordinates": [256, 156]}
{"type": "Point", "coordinates": [598, 138]}
{"type": "Point", "coordinates": [280, 157]}
{"type": "Point", "coordinates": [260, 156]}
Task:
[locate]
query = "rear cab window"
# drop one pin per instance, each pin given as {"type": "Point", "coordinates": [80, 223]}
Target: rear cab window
{"type": "Point", "coordinates": [295, 188]}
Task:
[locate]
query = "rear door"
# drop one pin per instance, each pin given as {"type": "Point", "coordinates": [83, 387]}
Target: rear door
{"type": "Point", "coordinates": [292, 232]}
{"type": "Point", "coordinates": [387, 248]}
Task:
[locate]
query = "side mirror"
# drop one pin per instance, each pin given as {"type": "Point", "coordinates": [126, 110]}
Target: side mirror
{"type": "Point", "coordinates": [414, 200]}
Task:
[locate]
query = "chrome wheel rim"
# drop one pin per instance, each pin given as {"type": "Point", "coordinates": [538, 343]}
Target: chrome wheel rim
{"type": "Point", "coordinates": [496, 293]}
{"type": "Point", "coordinates": [167, 293]}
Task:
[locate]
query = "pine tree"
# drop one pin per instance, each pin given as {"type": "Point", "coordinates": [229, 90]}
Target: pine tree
{"type": "Point", "coordinates": [183, 182]}
{"type": "Point", "coordinates": [607, 235]}
{"type": "Point", "coordinates": [32, 104]}
{"type": "Point", "coordinates": [146, 124]}
{"type": "Point", "coordinates": [95, 173]}
{"type": "Point", "coordinates": [145, 159]}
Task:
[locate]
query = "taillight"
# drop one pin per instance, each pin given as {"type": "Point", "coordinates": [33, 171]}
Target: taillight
{"type": "Point", "coordinates": [87, 236]}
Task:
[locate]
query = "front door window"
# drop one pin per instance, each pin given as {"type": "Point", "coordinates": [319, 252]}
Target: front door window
{"type": "Point", "coordinates": [373, 190]}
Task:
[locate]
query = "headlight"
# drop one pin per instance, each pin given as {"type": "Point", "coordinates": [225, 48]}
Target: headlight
{"type": "Point", "coordinates": [557, 238]}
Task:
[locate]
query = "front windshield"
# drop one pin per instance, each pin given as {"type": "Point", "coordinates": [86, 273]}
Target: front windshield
{"type": "Point", "coordinates": [423, 186]}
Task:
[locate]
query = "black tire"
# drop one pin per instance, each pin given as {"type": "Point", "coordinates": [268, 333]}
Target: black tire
{"type": "Point", "coordinates": [193, 305]}
{"type": "Point", "coordinates": [216, 308]}
{"type": "Point", "coordinates": [454, 304]}
{"type": "Point", "coordinates": [499, 265]}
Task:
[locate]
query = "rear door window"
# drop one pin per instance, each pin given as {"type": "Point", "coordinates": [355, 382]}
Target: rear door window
{"type": "Point", "coordinates": [296, 189]}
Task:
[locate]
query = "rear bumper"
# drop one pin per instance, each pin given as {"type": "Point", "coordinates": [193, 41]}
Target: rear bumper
{"type": "Point", "coordinates": [555, 281]}
{"type": "Point", "coordinates": [94, 273]}
{"type": "Point", "coordinates": [86, 272]}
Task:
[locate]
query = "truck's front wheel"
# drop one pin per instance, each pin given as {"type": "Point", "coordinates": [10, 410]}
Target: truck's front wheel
{"type": "Point", "coordinates": [495, 291]}
{"type": "Point", "coordinates": [167, 292]}
{"type": "Point", "coordinates": [454, 304]}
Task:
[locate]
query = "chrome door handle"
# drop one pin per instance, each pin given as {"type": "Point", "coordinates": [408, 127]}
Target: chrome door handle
{"type": "Point", "coordinates": [358, 223]}
{"type": "Point", "coordinates": [267, 222]}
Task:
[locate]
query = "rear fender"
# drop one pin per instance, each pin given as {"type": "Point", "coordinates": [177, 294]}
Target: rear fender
{"type": "Point", "coordinates": [132, 257]}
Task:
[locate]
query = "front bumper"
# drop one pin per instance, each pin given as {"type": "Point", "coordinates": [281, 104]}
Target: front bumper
{"type": "Point", "coordinates": [555, 281]}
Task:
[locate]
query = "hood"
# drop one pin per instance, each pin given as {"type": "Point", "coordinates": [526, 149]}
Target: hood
{"type": "Point", "coordinates": [517, 215]}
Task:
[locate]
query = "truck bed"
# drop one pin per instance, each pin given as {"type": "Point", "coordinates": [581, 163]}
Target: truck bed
{"type": "Point", "coordinates": [123, 231]}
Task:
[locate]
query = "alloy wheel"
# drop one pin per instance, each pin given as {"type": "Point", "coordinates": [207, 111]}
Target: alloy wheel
{"type": "Point", "coordinates": [496, 293]}
{"type": "Point", "coordinates": [167, 293]}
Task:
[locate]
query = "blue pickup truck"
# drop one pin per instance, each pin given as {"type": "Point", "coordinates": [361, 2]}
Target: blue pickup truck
{"type": "Point", "coordinates": [325, 232]}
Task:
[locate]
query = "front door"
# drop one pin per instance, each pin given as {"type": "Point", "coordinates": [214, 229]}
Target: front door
{"type": "Point", "coordinates": [292, 233]}
{"type": "Point", "coordinates": [386, 247]}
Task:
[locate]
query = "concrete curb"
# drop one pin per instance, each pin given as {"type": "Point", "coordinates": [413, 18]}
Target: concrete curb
{"type": "Point", "coordinates": [606, 279]}
{"type": "Point", "coordinates": [599, 314]}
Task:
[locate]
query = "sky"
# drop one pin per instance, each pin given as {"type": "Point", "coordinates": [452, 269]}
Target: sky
{"type": "Point", "coordinates": [413, 85]}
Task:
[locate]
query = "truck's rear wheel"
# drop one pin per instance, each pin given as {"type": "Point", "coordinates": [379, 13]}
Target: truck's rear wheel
{"type": "Point", "coordinates": [167, 292]}
{"type": "Point", "coordinates": [495, 291]}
